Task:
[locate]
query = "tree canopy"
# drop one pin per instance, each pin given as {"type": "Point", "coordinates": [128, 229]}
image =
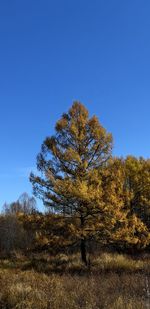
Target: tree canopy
{"type": "Point", "coordinates": [78, 179]}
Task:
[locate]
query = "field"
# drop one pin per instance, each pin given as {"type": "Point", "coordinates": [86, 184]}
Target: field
{"type": "Point", "coordinates": [112, 281]}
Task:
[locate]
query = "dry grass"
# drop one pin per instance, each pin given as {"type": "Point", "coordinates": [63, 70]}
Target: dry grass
{"type": "Point", "coordinates": [87, 289]}
{"type": "Point", "coordinates": [120, 262]}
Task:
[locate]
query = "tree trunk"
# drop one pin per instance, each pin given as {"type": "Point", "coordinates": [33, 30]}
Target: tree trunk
{"type": "Point", "coordinates": [83, 251]}
{"type": "Point", "coordinates": [83, 244]}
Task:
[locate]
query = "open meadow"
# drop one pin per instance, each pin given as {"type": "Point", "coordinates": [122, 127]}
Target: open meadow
{"type": "Point", "coordinates": [112, 281]}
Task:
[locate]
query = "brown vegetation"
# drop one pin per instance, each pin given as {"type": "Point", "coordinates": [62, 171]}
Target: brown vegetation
{"type": "Point", "coordinates": [113, 282]}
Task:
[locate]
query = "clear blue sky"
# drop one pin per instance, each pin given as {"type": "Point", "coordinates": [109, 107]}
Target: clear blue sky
{"type": "Point", "coordinates": [54, 52]}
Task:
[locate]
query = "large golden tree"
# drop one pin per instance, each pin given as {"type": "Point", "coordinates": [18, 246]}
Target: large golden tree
{"type": "Point", "coordinates": [69, 163]}
{"type": "Point", "coordinates": [80, 183]}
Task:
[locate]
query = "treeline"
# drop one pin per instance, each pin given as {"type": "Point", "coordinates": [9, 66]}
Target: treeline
{"type": "Point", "coordinates": [124, 183]}
{"type": "Point", "coordinates": [93, 199]}
{"type": "Point", "coordinates": [13, 235]}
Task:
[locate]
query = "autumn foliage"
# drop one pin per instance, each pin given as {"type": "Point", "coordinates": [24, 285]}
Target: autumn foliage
{"type": "Point", "coordinates": [91, 195]}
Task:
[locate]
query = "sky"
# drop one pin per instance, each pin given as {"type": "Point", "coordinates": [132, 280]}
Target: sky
{"type": "Point", "coordinates": [54, 52]}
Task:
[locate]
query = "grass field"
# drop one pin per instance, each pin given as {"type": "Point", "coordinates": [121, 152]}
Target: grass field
{"type": "Point", "coordinates": [113, 281]}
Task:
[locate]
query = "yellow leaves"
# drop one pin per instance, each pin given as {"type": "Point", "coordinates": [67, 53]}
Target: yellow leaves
{"type": "Point", "coordinates": [71, 155]}
{"type": "Point", "coordinates": [96, 129]}
{"type": "Point", "coordinates": [72, 229]}
{"type": "Point", "coordinates": [133, 232]}
{"type": "Point", "coordinates": [74, 129]}
{"type": "Point", "coordinates": [113, 221]}
{"type": "Point", "coordinates": [80, 190]}
{"type": "Point", "coordinates": [77, 110]}
{"type": "Point", "coordinates": [78, 120]}
{"type": "Point", "coordinates": [82, 181]}
{"type": "Point", "coordinates": [41, 239]}
{"type": "Point", "coordinates": [61, 124]}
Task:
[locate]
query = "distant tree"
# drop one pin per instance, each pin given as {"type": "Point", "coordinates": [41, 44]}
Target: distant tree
{"type": "Point", "coordinates": [12, 234]}
{"type": "Point", "coordinates": [24, 204]}
{"type": "Point", "coordinates": [137, 187]}
{"type": "Point", "coordinates": [28, 204]}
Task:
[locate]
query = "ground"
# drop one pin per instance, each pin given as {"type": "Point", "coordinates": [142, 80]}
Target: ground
{"type": "Point", "coordinates": [112, 281]}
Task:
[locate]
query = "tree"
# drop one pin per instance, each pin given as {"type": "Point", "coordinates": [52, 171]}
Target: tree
{"type": "Point", "coordinates": [137, 187]}
{"type": "Point", "coordinates": [72, 165]}
{"type": "Point", "coordinates": [127, 185]}
{"type": "Point", "coordinates": [12, 234]}
{"type": "Point", "coordinates": [25, 204]}
{"type": "Point", "coordinates": [87, 189]}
